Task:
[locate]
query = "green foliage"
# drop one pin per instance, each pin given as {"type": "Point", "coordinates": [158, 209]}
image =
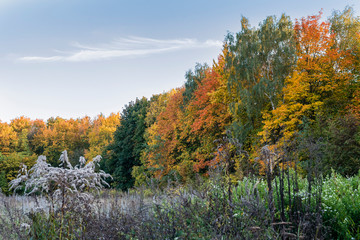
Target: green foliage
{"type": "Point", "coordinates": [9, 168]}
{"type": "Point", "coordinates": [193, 79]}
{"type": "Point", "coordinates": [42, 227]}
{"type": "Point", "coordinates": [214, 208]}
{"type": "Point", "coordinates": [346, 27]}
{"type": "Point", "coordinates": [341, 206]}
{"type": "Point", "coordinates": [4, 184]}
{"type": "Point", "coordinates": [334, 141]}
{"type": "Point", "coordinates": [259, 61]}
{"type": "Point", "coordinates": [53, 226]}
{"type": "Point", "coordinates": [294, 87]}
{"type": "Point", "coordinates": [156, 106]}
{"type": "Point", "coordinates": [343, 145]}
{"type": "Point", "coordinates": [128, 143]}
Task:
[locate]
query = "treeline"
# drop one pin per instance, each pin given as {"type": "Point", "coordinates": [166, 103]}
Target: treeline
{"type": "Point", "coordinates": [22, 140]}
{"type": "Point", "coordinates": [290, 86]}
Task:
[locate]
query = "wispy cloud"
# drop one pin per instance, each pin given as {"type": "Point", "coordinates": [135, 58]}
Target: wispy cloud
{"type": "Point", "coordinates": [123, 47]}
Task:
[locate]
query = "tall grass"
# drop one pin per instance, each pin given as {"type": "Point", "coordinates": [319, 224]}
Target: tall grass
{"type": "Point", "coordinates": [282, 204]}
{"type": "Point", "coordinates": [202, 210]}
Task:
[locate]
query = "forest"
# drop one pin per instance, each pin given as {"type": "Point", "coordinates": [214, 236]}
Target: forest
{"type": "Point", "coordinates": [275, 118]}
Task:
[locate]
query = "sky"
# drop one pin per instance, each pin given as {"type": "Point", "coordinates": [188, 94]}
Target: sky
{"type": "Point", "coordinates": [86, 57]}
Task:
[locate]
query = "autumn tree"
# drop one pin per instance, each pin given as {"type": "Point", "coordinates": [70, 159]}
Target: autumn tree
{"type": "Point", "coordinates": [316, 86]}
{"type": "Point", "coordinates": [61, 134]}
{"type": "Point", "coordinates": [22, 126]}
{"type": "Point", "coordinates": [157, 105]}
{"type": "Point", "coordinates": [207, 115]}
{"type": "Point", "coordinates": [180, 140]}
{"type": "Point", "coordinates": [169, 142]}
{"type": "Point", "coordinates": [37, 127]}
{"type": "Point", "coordinates": [346, 28]}
{"type": "Point", "coordinates": [320, 91]}
{"type": "Point", "coordinates": [9, 167]}
{"type": "Point", "coordinates": [162, 145]}
{"type": "Point", "coordinates": [100, 134]}
{"type": "Point", "coordinates": [193, 78]}
{"type": "Point", "coordinates": [258, 62]}
{"type": "Point", "coordinates": [8, 139]}
{"type": "Point", "coordinates": [15, 149]}
{"type": "Point", "coordinates": [23, 139]}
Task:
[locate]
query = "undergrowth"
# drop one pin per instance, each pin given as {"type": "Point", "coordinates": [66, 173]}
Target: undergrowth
{"type": "Point", "coordinates": [202, 210]}
{"type": "Point", "coordinates": [282, 204]}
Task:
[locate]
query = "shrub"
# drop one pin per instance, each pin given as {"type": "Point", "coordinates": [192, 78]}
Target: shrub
{"type": "Point", "coordinates": [341, 205]}
{"type": "Point", "coordinates": [67, 190]}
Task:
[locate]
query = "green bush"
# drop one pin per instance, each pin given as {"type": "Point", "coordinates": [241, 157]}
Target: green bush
{"type": "Point", "coordinates": [341, 206]}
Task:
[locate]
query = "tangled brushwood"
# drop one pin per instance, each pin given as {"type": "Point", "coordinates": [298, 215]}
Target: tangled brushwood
{"type": "Point", "coordinates": [283, 204]}
{"type": "Point", "coordinates": [62, 185]}
{"type": "Point", "coordinates": [67, 189]}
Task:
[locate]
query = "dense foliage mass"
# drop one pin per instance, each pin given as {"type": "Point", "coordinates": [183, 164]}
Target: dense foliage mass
{"type": "Point", "coordinates": [23, 139]}
{"type": "Point", "coordinates": [128, 143]}
{"type": "Point", "coordinates": [269, 135]}
{"type": "Point", "coordinates": [282, 84]}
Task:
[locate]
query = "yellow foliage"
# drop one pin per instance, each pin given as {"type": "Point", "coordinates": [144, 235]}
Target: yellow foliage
{"type": "Point", "coordinates": [101, 134]}
{"type": "Point", "coordinates": [8, 139]}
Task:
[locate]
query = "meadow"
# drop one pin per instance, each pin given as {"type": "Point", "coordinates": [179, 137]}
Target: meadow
{"type": "Point", "coordinates": [216, 208]}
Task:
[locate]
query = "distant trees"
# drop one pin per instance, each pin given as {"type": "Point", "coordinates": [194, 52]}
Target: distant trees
{"type": "Point", "coordinates": [101, 134]}
{"type": "Point", "coordinates": [61, 134]}
{"type": "Point", "coordinates": [23, 140]}
{"type": "Point", "coordinates": [14, 149]}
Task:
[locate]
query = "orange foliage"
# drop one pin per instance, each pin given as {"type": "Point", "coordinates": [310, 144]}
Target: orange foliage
{"type": "Point", "coordinates": [209, 115]}
{"type": "Point", "coordinates": [163, 140]}
{"type": "Point", "coordinates": [182, 137]}
{"type": "Point", "coordinates": [59, 135]}
{"type": "Point", "coordinates": [319, 79]}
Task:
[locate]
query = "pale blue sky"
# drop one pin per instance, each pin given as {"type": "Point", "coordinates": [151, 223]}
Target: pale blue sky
{"type": "Point", "coordinates": [72, 58]}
